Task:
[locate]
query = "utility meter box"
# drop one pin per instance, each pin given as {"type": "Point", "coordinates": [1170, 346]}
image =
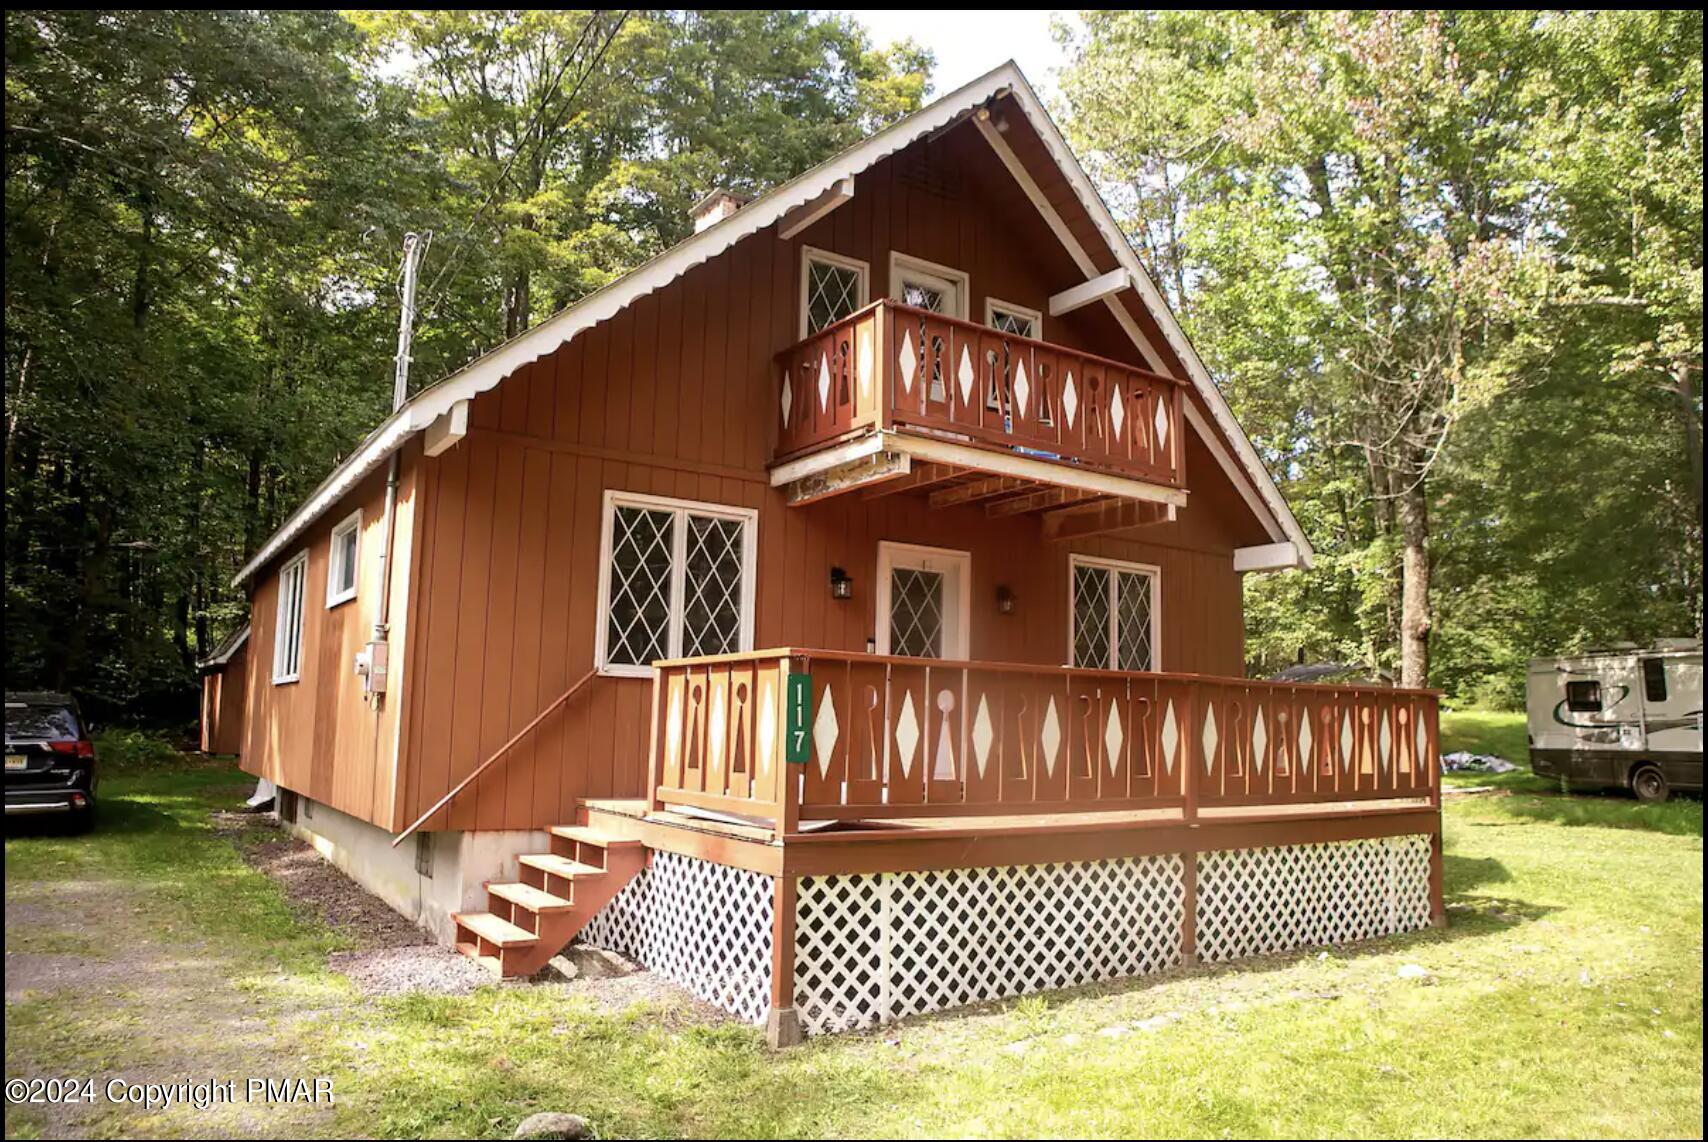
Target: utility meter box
{"type": "Point", "coordinates": [371, 662]}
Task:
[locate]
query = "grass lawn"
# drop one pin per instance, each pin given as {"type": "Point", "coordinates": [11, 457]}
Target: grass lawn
{"type": "Point", "coordinates": [1565, 1000]}
{"type": "Point", "coordinates": [1503, 735]}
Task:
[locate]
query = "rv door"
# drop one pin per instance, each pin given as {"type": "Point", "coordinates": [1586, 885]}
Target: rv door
{"type": "Point", "coordinates": [1672, 703]}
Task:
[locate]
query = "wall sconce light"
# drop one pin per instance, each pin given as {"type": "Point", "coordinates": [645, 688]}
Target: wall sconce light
{"type": "Point", "coordinates": [1004, 600]}
{"type": "Point", "coordinates": [841, 586]}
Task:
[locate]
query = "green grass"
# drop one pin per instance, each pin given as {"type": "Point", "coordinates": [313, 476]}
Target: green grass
{"type": "Point", "coordinates": [1547, 799]}
{"type": "Point", "coordinates": [1565, 1001]}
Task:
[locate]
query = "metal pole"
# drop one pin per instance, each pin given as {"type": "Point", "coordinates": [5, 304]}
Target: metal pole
{"type": "Point", "coordinates": [414, 246]}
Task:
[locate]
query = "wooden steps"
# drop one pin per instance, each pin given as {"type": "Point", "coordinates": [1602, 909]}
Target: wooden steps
{"type": "Point", "coordinates": [530, 920]}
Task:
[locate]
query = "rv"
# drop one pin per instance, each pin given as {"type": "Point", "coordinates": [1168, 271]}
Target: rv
{"type": "Point", "coordinates": [1625, 717]}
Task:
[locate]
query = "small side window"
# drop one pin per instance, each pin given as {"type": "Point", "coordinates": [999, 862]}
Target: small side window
{"type": "Point", "coordinates": [1583, 697]}
{"type": "Point", "coordinates": [1654, 680]}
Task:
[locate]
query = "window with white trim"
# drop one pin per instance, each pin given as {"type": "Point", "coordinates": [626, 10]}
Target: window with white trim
{"type": "Point", "coordinates": [676, 581]}
{"type": "Point", "coordinates": [287, 631]}
{"type": "Point", "coordinates": [832, 287]}
{"type": "Point", "coordinates": [1017, 321]}
{"type": "Point", "coordinates": [1113, 617]}
{"type": "Point", "coordinates": [928, 285]}
{"type": "Point", "coordinates": [1006, 317]}
{"type": "Point", "coordinates": [341, 562]}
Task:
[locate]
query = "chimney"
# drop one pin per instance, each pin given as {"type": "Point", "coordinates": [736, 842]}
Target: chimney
{"type": "Point", "coordinates": [715, 207]}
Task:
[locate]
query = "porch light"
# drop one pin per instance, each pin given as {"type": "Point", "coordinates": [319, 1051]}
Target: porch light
{"type": "Point", "coordinates": [1004, 600]}
{"type": "Point", "coordinates": [841, 586]}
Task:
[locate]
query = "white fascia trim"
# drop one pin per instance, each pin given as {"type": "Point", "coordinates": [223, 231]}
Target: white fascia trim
{"type": "Point", "coordinates": [1177, 340]}
{"type": "Point", "coordinates": [1267, 557]}
{"type": "Point", "coordinates": [603, 304]}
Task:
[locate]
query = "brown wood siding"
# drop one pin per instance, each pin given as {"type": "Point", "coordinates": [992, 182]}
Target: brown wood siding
{"type": "Point", "coordinates": [319, 735]}
{"type": "Point", "coordinates": [223, 704]}
{"type": "Point", "coordinates": [673, 397]}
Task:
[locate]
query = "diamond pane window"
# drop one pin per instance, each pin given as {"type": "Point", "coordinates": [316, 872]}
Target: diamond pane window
{"type": "Point", "coordinates": [1090, 616]}
{"type": "Point", "coordinates": [676, 582]}
{"type": "Point", "coordinates": [638, 615]}
{"type": "Point", "coordinates": [1018, 324]}
{"type": "Point", "coordinates": [1133, 620]}
{"type": "Point", "coordinates": [835, 288]}
{"type": "Point", "coordinates": [711, 618]}
{"type": "Point", "coordinates": [916, 612]}
{"type": "Point", "coordinates": [1114, 622]}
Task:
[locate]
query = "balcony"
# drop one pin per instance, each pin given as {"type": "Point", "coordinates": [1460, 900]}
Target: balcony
{"type": "Point", "coordinates": [783, 738]}
{"type": "Point", "coordinates": [911, 398]}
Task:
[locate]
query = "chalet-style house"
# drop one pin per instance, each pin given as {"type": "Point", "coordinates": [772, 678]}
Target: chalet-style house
{"type": "Point", "coordinates": [841, 614]}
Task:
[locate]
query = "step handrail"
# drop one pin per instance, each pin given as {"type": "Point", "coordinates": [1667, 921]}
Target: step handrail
{"type": "Point", "coordinates": [496, 754]}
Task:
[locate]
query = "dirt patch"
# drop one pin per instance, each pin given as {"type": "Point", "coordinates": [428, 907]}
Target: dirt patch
{"type": "Point", "coordinates": [315, 887]}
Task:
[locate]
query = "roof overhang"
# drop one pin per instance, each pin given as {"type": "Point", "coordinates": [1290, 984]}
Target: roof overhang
{"type": "Point", "coordinates": [823, 185]}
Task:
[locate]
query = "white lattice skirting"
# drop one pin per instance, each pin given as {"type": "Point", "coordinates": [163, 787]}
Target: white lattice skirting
{"type": "Point", "coordinates": [874, 948]}
{"type": "Point", "coordinates": [870, 949]}
{"type": "Point", "coordinates": [705, 927]}
{"type": "Point", "coordinates": [1252, 901]}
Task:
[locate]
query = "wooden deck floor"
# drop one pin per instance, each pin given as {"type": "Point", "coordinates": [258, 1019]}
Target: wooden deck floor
{"type": "Point", "coordinates": [947, 842]}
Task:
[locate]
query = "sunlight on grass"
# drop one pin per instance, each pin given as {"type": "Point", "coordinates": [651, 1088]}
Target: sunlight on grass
{"type": "Point", "coordinates": [1564, 998]}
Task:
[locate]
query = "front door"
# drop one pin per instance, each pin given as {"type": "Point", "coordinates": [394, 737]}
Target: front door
{"type": "Point", "coordinates": [922, 601]}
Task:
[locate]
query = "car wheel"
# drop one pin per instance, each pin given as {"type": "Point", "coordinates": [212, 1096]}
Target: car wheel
{"type": "Point", "coordinates": [1649, 784]}
{"type": "Point", "coordinates": [83, 820]}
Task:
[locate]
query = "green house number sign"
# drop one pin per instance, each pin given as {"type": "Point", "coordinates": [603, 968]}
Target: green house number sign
{"type": "Point", "coordinates": [797, 749]}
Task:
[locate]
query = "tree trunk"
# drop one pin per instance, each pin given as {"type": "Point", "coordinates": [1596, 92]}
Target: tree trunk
{"type": "Point", "coordinates": [1684, 391]}
{"type": "Point", "coordinates": [1414, 599]}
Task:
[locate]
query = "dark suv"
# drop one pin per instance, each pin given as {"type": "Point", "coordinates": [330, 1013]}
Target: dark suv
{"type": "Point", "coordinates": [50, 761]}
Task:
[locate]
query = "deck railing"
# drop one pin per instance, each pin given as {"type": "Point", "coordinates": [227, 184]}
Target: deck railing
{"type": "Point", "coordinates": [894, 367]}
{"type": "Point", "coordinates": [785, 736]}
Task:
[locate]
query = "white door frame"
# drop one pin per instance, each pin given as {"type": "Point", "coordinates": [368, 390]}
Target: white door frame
{"type": "Point", "coordinates": [957, 570]}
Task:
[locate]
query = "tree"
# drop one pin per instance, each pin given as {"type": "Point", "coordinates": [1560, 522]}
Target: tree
{"type": "Point", "coordinates": [1364, 221]}
{"type": "Point", "coordinates": [580, 139]}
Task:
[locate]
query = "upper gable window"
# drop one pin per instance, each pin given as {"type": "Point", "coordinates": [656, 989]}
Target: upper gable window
{"type": "Point", "coordinates": [927, 285]}
{"type": "Point", "coordinates": [832, 287]}
{"type": "Point", "coordinates": [1005, 317]}
{"type": "Point", "coordinates": [341, 563]}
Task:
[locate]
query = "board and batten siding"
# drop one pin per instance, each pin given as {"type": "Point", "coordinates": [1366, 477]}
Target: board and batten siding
{"type": "Point", "coordinates": [319, 736]}
{"type": "Point", "coordinates": [674, 397]}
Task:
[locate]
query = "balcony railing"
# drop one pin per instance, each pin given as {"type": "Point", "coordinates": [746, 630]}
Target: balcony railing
{"type": "Point", "coordinates": [890, 366]}
{"type": "Point", "coordinates": [786, 736]}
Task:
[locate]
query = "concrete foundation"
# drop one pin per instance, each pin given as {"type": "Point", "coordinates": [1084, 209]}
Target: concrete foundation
{"type": "Point", "coordinates": [452, 880]}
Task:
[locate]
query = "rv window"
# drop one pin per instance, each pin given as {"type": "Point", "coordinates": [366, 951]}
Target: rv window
{"type": "Point", "coordinates": [1583, 697]}
{"type": "Point", "coordinates": [1654, 680]}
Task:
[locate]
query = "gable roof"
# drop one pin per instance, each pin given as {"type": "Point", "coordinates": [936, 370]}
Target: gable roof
{"type": "Point", "coordinates": [489, 370]}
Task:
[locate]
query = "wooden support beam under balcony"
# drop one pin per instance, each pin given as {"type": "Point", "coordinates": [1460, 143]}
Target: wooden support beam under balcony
{"type": "Point", "coordinates": [972, 416]}
{"type": "Point", "coordinates": [1086, 519]}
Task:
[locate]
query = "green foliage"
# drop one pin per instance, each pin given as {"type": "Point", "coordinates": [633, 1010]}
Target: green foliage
{"type": "Point", "coordinates": [204, 213]}
{"type": "Point", "coordinates": [135, 749]}
{"type": "Point", "coordinates": [1459, 253]}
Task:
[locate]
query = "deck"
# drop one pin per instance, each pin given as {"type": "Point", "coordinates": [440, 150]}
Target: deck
{"type": "Point", "coordinates": [839, 840]}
